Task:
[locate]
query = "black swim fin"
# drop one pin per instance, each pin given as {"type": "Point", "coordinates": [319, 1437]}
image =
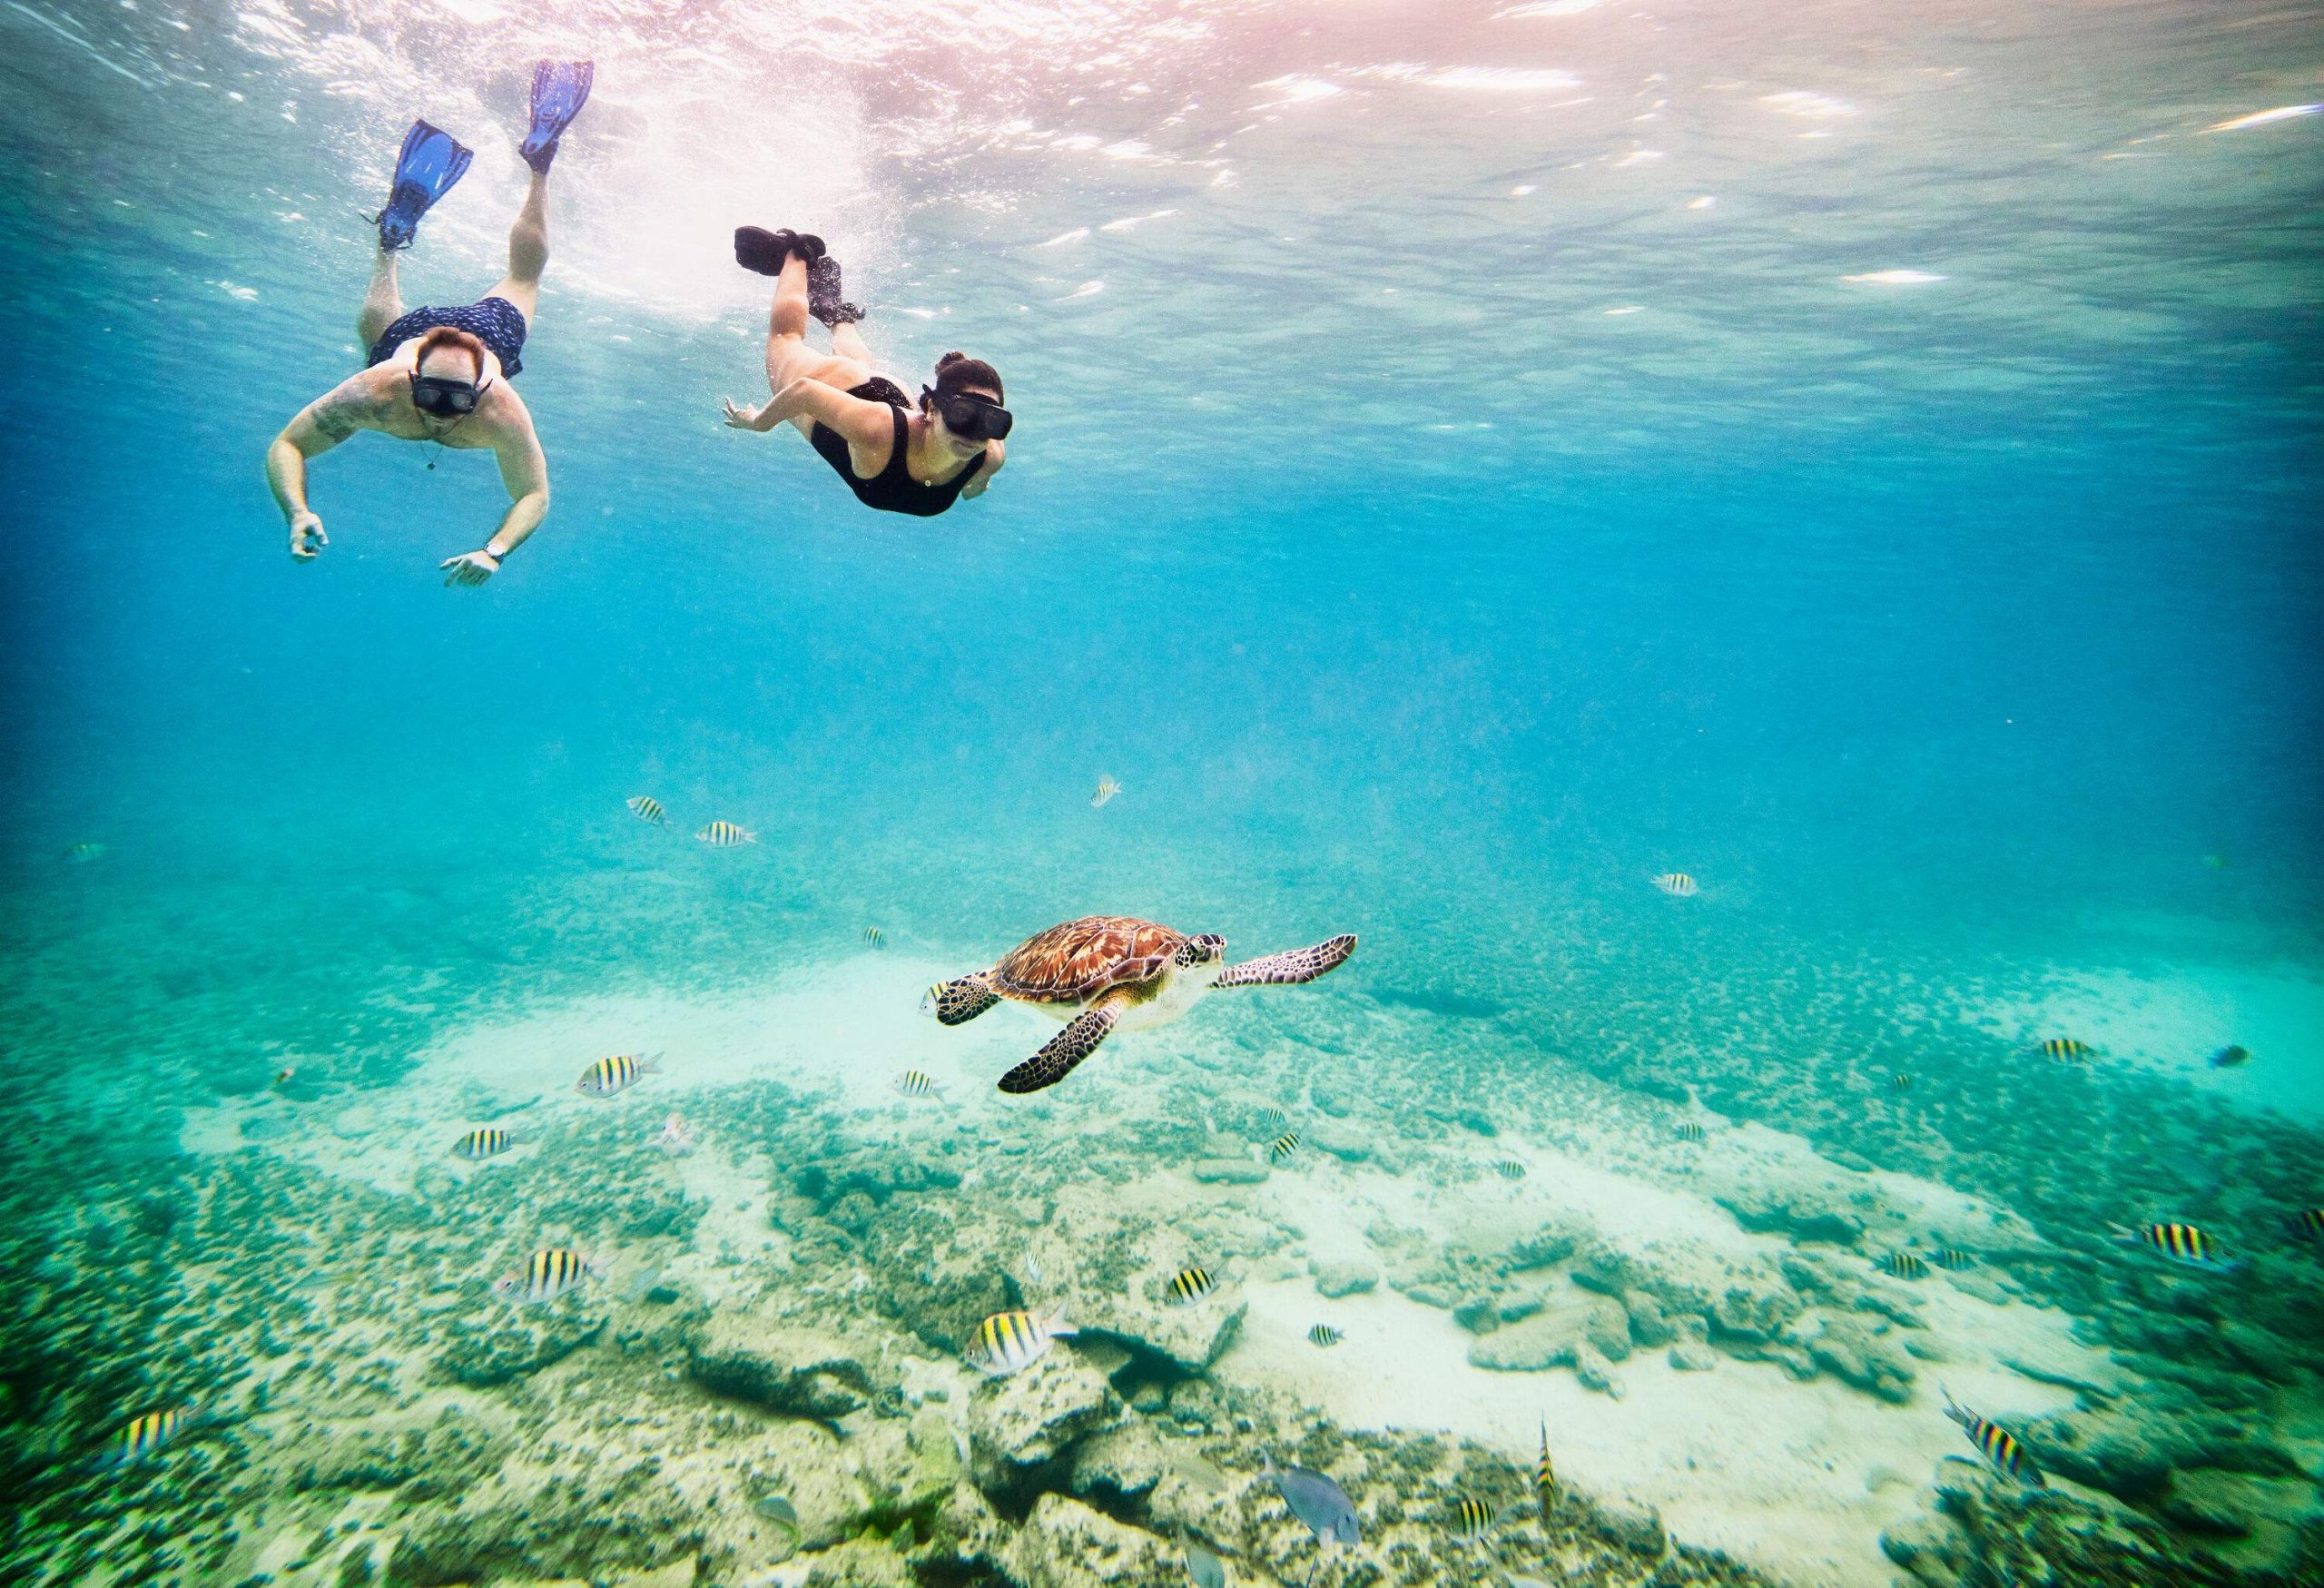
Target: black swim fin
{"type": "Point", "coordinates": [757, 249]}
{"type": "Point", "coordinates": [432, 160]}
{"type": "Point", "coordinates": [824, 299]}
{"type": "Point", "coordinates": [560, 88]}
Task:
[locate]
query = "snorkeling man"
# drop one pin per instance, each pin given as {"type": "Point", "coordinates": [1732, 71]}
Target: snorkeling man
{"type": "Point", "coordinates": [442, 374]}
{"type": "Point", "coordinates": [894, 457]}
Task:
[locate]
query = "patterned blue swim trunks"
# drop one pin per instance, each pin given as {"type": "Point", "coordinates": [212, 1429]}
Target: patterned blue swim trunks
{"type": "Point", "coordinates": [495, 322]}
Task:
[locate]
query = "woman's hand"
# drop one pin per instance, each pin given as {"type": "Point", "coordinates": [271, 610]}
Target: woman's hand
{"type": "Point", "coordinates": [743, 419]}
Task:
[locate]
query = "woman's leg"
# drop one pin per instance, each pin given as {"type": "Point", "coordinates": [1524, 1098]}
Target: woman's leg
{"type": "Point", "coordinates": [528, 251]}
{"type": "Point", "coordinates": [788, 356]}
{"type": "Point", "coordinates": [847, 342]}
{"type": "Point", "coordinates": [383, 304]}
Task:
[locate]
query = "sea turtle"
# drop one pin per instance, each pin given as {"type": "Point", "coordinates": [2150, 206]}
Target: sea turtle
{"type": "Point", "coordinates": [1105, 971]}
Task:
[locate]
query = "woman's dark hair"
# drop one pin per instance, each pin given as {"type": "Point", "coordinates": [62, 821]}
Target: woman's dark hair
{"type": "Point", "coordinates": [956, 371]}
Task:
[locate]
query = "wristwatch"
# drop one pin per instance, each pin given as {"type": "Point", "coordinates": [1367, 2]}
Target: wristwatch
{"type": "Point", "coordinates": [497, 555]}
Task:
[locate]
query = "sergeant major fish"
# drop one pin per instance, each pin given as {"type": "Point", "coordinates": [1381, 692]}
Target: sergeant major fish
{"type": "Point", "coordinates": [675, 1140]}
{"type": "Point", "coordinates": [918, 1083]}
{"type": "Point", "coordinates": [1188, 1285]}
{"type": "Point", "coordinates": [1106, 789]}
{"type": "Point", "coordinates": [145, 1435]}
{"type": "Point", "coordinates": [2183, 1244]}
{"type": "Point", "coordinates": [547, 1275]}
{"type": "Point", "coordinates": [1010, 1342]}
{"type": "Point", "coordinates": [1324, 1334]}
{"type": "Point", "coordinates": [1283, 1146]}
{"type": "Point", "coordinates": [726, 835]}
{"type": "Point", "coordinates": [616, 1074]}
{"type": "Point", "coordinates": [1995, 1443]}
{"type": "Point", "coordinates": [490, 1141]}
{"type": "Point", "coordinates": [1678, 884]}
{"type": "Point", "coordinates": [648, 809]}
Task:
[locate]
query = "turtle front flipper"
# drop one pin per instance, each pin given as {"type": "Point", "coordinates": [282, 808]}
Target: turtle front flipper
{"type": "Point", "coordinates": [956, 1002]}
{"type": "Point", "coordinates": [1291, 966]}
{"type": "Point", "coordinates": [1069, 1048]}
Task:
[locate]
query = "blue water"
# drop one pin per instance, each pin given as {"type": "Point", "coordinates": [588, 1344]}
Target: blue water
{"type": "Point", "coordinates": [1963, 628]}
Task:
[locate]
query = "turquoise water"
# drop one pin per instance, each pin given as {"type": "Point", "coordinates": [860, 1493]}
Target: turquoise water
{"type": "Point", "coordinates": [1469, 461]}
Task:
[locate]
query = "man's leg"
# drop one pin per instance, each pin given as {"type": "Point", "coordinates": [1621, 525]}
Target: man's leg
{"type": "Point", "coordinates": [383, 304]}
{"type": "Point", "coordinates": [788, 356]}
{"type": "Point", "coordinates": [527, 252]}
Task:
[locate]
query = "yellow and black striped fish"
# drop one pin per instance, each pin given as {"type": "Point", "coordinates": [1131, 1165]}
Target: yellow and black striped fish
{"type": "Point", "coordinates": [2309, 1222]}
{"type": "Point", "coordinates": [547, 1275]}
{"type": "Point", "coordinates": [875, 937]}
{"type": "Point", "coordinates": [1282, 1146]}
{"type": "Point", "coordinates": [1324, 1334]}
{"type": "Point", "coordinates": [1690, 1131]}
{"type": "Point", "coordinates": [648, 809]}
{"type": "Point", "coordinates": [726, 835]}
{"type": "Point", "coordinates": [1509, 1168]}
{"type": "Point", "coordinates": [1996, 1445]}
{"type": "Point", "coordinates": [1008, 1341]}
{"type": "Point", "coordinates": [1472, 1518]}
{"type": "Point", "coordinates": [617, 1073]}
{"type": "Point", "coordinates": [1545, 1476]}
{"type": "Point", "coordinates": [1191, 1285]}
{"type": "Point", "coordinates": [1274, 1119]}
{"type": "Point", "coordinates": [1952, 1257]}
{"type": "Point", "coordinates": [490, 1141]}
{"type": "Point", "coordinates": [141, 1436]}
{"type": "Point", "coordinates": [1904, 1266]}
{"type": "Point", "coordinates": [1900, 1081]}
{"type": "Point", "coordinates": [2180, 1243]}
{"type": "Point", "coordinates": [2070, 1050]}
{"type": "Point", "coordinates": [1678, 884]}
{"type": "Point", "coordinates": [918, 1083]}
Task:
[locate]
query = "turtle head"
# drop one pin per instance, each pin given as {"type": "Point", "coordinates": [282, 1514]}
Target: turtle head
{"type": "Point", "coordinates": [1203, 948]}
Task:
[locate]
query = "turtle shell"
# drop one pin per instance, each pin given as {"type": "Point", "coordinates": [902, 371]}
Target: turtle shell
{"type": "Point", "coordinates": [1074, 962]}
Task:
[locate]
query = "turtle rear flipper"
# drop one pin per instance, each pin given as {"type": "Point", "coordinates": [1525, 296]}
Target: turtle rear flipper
{"type": "Point", "coordinates": [1291, 966]}
{"type": "Point", "coordinates": [959, 1001]}
{"type": "Point", "coordinates": [1069, 1048]}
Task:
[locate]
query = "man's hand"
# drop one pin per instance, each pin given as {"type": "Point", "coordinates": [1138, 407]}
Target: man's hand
{"type": "Point", "coordinates": [306, 536]}
{"type": "Point", "coordinates": [742, 418]}
{"type": "Point", "coordinates": [469, 568]}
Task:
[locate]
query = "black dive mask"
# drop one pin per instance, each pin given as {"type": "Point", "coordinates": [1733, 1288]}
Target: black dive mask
{"type": "Point", "coordinates": [444, 398]}
{"type": "Point", "coordinates": [968, 417]}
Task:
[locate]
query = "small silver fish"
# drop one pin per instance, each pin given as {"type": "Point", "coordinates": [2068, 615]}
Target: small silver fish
{"type": "Point", "coordinates": [675, 1140]}
{"type": "Point", "coordinates": [726, 835]}
{"type": "Point", "coordinates": [648, 809]}
{"type": "Point", "coordinates": [617, 1073]}
{"type": "Point", "coordinates": [1678, 884]}
{"type": "Point", "coordinates": [1106, 789]}
{"type": "Point", "coordinates": [1315, 1500]}
{"type": "Point", "coordinates": [547, 1275]}
{"type": "Point", "coordinates": [1204, 1570]}
{"type": "Point", "coordinates": [1032, 1269]}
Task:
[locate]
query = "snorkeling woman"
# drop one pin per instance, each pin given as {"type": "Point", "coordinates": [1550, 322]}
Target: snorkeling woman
{"type": "Point", "coordinates": [894, 457]}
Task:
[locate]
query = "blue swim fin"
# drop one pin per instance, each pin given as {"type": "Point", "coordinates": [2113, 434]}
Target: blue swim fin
{"type": "Point", "coordinates": [560, 88]}
{"type": "Point", "coordinates": [431, 162]}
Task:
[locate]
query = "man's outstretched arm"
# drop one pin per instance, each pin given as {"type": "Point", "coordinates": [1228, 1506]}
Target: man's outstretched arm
{"type": "Point", "coordinates": [319, 426]}
{"type": "Point", "coordinates": [524, 472]}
